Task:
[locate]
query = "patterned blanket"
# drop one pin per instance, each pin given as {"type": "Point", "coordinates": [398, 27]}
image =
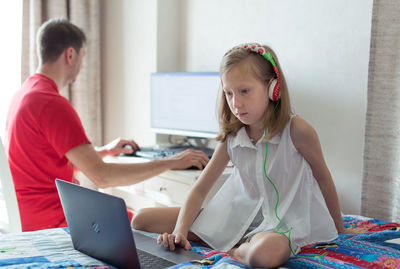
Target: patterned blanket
{"type": "Point", "coordinates": [377, 245]}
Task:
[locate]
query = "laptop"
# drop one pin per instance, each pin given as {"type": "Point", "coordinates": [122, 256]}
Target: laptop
{"type": "Point", "coordinates": [99, 227]}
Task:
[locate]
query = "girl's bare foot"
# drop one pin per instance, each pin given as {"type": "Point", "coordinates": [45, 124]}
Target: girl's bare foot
{"type": "Point", "coordinates": [234, 255]}
{"type": "Point", "coordinates": [232, 252]}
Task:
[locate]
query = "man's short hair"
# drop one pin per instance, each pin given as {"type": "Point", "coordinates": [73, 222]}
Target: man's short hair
{"type": "Point", "coordinates": [54, 36]}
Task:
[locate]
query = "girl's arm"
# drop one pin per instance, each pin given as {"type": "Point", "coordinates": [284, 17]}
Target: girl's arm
{"type": "Point", "coordinates": [306, 141]}
{"type": "Point", "coordinates": [196, 197]}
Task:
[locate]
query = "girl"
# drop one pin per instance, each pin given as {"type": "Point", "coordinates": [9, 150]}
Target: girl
{"type": "Point", "coordinates": [280, 195]}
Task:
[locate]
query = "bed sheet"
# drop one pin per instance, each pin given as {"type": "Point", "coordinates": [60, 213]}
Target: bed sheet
{"type": "Point", "coordinates": [376, 246]}
{"type": "Point", "coordinates": [51, 248]}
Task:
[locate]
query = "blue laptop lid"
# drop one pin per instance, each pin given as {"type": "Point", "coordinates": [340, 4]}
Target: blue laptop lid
{"type": "Point", "coordinates": [98, 224]}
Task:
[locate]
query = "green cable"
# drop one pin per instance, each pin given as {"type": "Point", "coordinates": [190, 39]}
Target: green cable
{"type": "Point", "coordinates": [279, 219]}
{"type": "Point", "coordinates": [277, 202]}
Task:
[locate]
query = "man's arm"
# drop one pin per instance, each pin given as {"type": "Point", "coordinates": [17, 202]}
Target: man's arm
{"type": "Point", "coordinates": [88, 160]}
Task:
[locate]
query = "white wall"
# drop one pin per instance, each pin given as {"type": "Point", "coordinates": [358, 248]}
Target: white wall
{"type": "Point", "coordinates": [10, 68]}
{"type": "Point", "coordinates": [323, 47]}
{"type": "Point", "coordinates": [130, 55]}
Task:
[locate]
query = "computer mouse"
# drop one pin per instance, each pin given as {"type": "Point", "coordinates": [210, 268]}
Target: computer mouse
{"type": "Point", "coordinates": [128, 147]}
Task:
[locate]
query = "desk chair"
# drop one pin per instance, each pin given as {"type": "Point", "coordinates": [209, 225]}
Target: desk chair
{"type": "Point", "coordinates": [7, 193]}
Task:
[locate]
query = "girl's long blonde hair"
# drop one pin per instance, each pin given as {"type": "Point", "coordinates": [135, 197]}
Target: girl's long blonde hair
{"type": "Point", "coordinates": [277, 113]}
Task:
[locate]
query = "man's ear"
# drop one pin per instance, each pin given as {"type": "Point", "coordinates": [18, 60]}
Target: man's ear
{"type": "Point", "coordinates": [69, 55]}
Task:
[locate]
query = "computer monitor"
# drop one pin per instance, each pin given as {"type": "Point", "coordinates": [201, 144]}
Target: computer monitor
{"type": "Point", "coordinates": [185, 103]}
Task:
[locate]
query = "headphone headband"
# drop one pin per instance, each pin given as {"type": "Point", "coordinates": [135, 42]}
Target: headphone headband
{"type": "Point", "coordinates": [274, 91]}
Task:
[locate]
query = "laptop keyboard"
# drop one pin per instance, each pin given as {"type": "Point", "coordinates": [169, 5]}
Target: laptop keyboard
{"type": "Point", "coordinates": [149, 261]}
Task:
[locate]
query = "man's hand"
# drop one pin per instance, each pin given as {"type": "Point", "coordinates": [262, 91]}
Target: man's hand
{"type": "Point", "coordinates": [188, 158]}
{"type": "Point", "coordinates": [117, 147]}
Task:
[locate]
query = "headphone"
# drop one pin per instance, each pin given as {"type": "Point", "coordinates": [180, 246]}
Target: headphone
{"type": "Point", "coordinates": [274, 88]}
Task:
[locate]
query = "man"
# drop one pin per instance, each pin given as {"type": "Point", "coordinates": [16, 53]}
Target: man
{"type": "Point", "coordinates": [46, 140]}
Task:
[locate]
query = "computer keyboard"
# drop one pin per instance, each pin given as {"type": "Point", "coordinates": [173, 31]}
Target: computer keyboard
{"type": "Point", "coordinates": [157, 153]}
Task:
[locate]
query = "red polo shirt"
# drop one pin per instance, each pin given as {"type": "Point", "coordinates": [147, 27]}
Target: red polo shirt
{"type": "Point", "coordinates": [41, 127]}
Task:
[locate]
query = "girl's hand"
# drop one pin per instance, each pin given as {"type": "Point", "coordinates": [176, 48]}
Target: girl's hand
{"type": "Point", "coordinates": [171, 240]}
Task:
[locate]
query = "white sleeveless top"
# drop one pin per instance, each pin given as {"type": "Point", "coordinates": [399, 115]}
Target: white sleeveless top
{"type": "Point", "coordinates": [233, 210]}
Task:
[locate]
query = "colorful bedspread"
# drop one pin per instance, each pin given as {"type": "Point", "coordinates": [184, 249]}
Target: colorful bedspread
{"type": "Point", "coordinates": [376, 246]}
{"type": "Point", "coordinates": [50, 248]}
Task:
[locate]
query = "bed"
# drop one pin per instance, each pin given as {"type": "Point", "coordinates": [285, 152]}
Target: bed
{"type": "Point", "coordinates": [377, 245]}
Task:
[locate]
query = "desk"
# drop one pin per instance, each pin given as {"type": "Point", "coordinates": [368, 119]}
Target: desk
{"type": "Point", "coordinates": [167, 189]}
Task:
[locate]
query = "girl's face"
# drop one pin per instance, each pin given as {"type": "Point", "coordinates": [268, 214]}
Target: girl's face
{"type": "Point", "coordinates": [246, 95]}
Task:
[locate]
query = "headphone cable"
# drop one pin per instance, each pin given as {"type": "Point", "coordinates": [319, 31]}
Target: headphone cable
{"type": "Point", "coordinates": [281, 223]}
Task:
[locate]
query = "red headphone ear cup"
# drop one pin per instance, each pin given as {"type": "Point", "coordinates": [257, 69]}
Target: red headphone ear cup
{"type": "Point", "coordinates": [273, 90]}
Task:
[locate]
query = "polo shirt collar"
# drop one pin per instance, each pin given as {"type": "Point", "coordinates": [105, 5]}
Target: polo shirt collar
{"type": "Point", "coordinates": [49, 80]}
{"type": "Point", "coordinates": [242, 139]}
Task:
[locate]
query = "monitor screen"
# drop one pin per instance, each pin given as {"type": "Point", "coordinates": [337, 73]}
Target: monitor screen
{"type": "Point", "coordinates": [185, 103]}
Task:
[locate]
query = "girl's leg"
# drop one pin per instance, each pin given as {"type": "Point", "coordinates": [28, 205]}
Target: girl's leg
{"type": "Point", "coordinates": [158, 220]}
{"type": "Point", "coordinates": [264, 250]}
